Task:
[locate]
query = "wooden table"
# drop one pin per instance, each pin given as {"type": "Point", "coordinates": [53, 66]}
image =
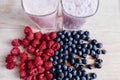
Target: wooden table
{"type": "Point", "coordinates": [104, 26]}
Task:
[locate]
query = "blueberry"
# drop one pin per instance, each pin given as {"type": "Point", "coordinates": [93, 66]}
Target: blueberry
{"type": "Point", "coordinates": [77, 78]}
{"type": "Point", "coordinates": [76, 65]}
{"type": "Point", "coordinates": [61, 50]}
{"type": "Point", "coordinates": [75, 41]}
{"type": "Point", "coordinates": [78, 47]}
{"type": "Point", "coordinates": [56, 57]}
{"type": "Point", "coordinates": [81, 67]}
{"type": "Point", "coordinates": [89, 66]}
{"type": "Point", "coordinates": [59, 33]}
{"type": "Point", "coordinates": [73, 33]}
{"type": "Point", "coordinates": [66, 40]}
{"type": "Point", "coordinates": [65, 46]}
{"type": "Point", "coordinates": [72, 61]}
{"type": "Point", "coordinates": [69, 75]}
{"type": "Point", "coordinates": [59, 66]}
{"type": "Point", "coordinates": [65, 52]}
{"type": "Point", "coordinates": [64, 67]}
{"type": "Point", "coordinates": [69, 69]}
{"type": "Point", "coordinates": [58, 39]}
{"type": "Point", "coordinates": [51, 59]}
{"type": "Point", "coordinates": [66, 78]}
{"type": "Point", "coordinates": [92, 53]}
{"type": "Point", "coordinates": [73, 46]}
{"type": "Point", "coordinates": [83, 78]}
{"type": "Point", "coordinates": [74, 51]}
{"type": "Point", "coordinates": [72, 56]}
{"type": "Point", "coordinates": [77, 36]}
{"type": "Point", "coordinates": [84, 73]}
{"type": "Point", "coordinates": [87, 76]}
{"type": "Point", "coordinates": [64, 62]}
{"type": "Point", "coordinates": [65, 73]}
{"type": "Point", "coordinates": [88, 51]}
{"type": "Point", "coordinates": [54, 79]}
{"type": "Point", "coordinates": [80, 41]}
{"type": "Point", "coordinates": [60, 60]}
{"type": "Point", "coordinates": [86, 33]}
{"type": "Point", "coordinates": [82, 36]}
{"type": "Point", "coordinates": [65, 57]}
{"type": "Point", "coordinates": [84, 45]}
{"type": "Point", "coordinates": [96, 56]}
{"type": "Point", "coordinates": [64, 32]}
{"type": "Point", "coordinates": [98, 51]}
{"type": "Point", "coordinates": [93, 75]}
{"type": "Point", "coordinates": [61, 75]}
{"type": "Point", "coordinates": [79, 53]}
{"type": "Point", "coordinates": [80, 32]}
{"type": "Point", "coordinates": [89, 46]}
{"type": "Point", "coordinates": [99, 60]}
{"type": "Point", "coordinates": [68, 34]}
{"type": "Point", "coordinates": [70, 39]}
{"type": "Point", "coordinates": [55, 62]}
{"type": "Point", "coordinates": [74, 72]}
{"type": "Point", "coordinates": [61, 42]}
{"type": "Point", "coordinates": [53, 70]}
{"type": "Point", "coordinates": [79, 73]}
{"type": "Point", "coordinates": [94, 41]}
{"type": "Point", "coordinates": [99, 45]}
{"type": "Point", "coordinates": [83, 50]}
{"type": "Point", "coordinates": [70, 49]}
{"type": "Point", "coordinates": [59, 70]}
{"type": "Point", "coordinates": [103, 51]}
{"type": "Point", "coordinates": [84, 61]}
{"type": "Point", "coordinates": [87, 38]}
{"type": "Point", "coordinates": [78, 60]}
{"type": "Point", "coordinates": [84, 55]}
{"type": "Point", "coordinates": [70, 43]}
{"type": "Point", "coordinates": [56, 53]}
{"type": "Point", "coordinates": [98, 65]}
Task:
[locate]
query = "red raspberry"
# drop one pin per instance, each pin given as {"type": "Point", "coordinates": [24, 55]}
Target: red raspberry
{"type": "Point", "coordinates": [9, 58]}
{"type": "Point", "coordinates": [43, 45]}
{"type": "Point", "coordinates": [45, 57]}
{"type": "Point", "coordinates": [56, 46]}
{"type": "Point", "coordinates": [30, 36]}
{"type": "Point", "coordinates": [53, 35]}
{"type": "Point", "coordinates": [49, 52]}
{"type": "Point", "coordinates": [27, 30]}
{"type": "Point", "coordinates": [38, 52]}
{"type": "Point", "coordinates": [33, 72]}
{"type": "Point", "coordinates": [35, 42]}
{"type": "Point", "coordinates": [25, 42]}
{"type": "Point", "coordinates": [15, 51]}
{"type": "Point", "coordinates": [45, 37]}
{"type": "Point", "coordinates": [49, 76]}
{"type": "Point", "coordinates": [16, 42]}
{"type": "Point", "coordinates": [28, 78]}
{"type": "Point", "coordinates": [23, 57]}
{"type": "Point", "coordinates": [34, 78]}
{"type": "Point", "coordinates": [50, 43]}
{"type": "Point", "coordinates": [40, 76]}
{"type": "Point", "coordinates": [41, 69]}
{"type": "Point", "coordinates": [48, 65]}
{"type": "Point", "coordinates": [30, 49]}
{"type": "Point", "coordinates": [30, 64]}
{"type": "Point", "coordinates": [10, 65]}
{"type": "Point", "coordinates": [22, 66]}
{"type": "Point", "coordinates": [38, 35]}
{"type": "Point", "coordinates": [38, 61]}
{"type": "Point", "coordinates": [43, 78]}
{"type": "Point", "coordinates": [22, 73]}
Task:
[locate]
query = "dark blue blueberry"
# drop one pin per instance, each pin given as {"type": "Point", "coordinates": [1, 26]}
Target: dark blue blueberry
{"type": "Point", "coordinates": [66, 78]}
{"type": "Point", "coordinates": [64, 32]}
{"type": "Point", "coordinates": [88, 51]}
{"type": "Point", "coordinates": [55, 62]}
{"type": "Point", "coordinates": [87, 38]}
{"type": "Point", "coordinates": [59, 33]}
{"type": "Point", "coordinates": [60, 60]}
{"type": "Point", "coordinates": [103, 51]}
{"type": "Point", "coordinates": [94, 41]}
{"type": "Point", "coordinates": [77, 78]}
{"type": "Point", "coordinates": [79, 73]}
{"type": "Point", "coordinates": [61, 42]}
{"type": "Point", "coordinates": [62, 36]}
{"type": "Point", "coordinates": [87, 76]}
{"type": "Point", "coordinates": [84, 73]}
{"type": "Point", "coordinates": [59, 70]}
{"type": "Point", "coordinates": [99, 60]}
{"type": "Point", "coordinates": [94, 47]}
{"type": "Point", "coordinates": [77, 36]}
{"type": "Point", "coordinates": [80, 32]}
{"type": "Point", "coordinates": [78, 47]}
{"type": "Point", "coordinates": [84, 61]}
{"type": "Point", "coordinates": [56, 53]}
{"type": "Point", "coordinates": [64, 62]}
{"type": "Point", "coordinates": [84, 55]}
{"type": "Point", "coordinates": [72, 61]}
{"type": "Point", "coordinates": [70, 43]}
{"type": "Point", "coordinates": [89, 46]}
{"type": "Point", "coordinates": [64, 67]}
{"type": "Point", "coordinates": [98, 65]}
{"type": "Point", "coordinates": [61, 75]}
{"type": "Point", "coordinates": [65, 57]}
{"type": "Point", "coordinates": [83, 50]}
{"type": "Point", "coordinates": [65, 73]}
{"type": "Point", "coordinates": [80, 41]}
{"type": "Point", "coordinates": [70, 39]}
{"type": "Point", "coordinates": [54, 79]}
{"type": "Point", "coordinates": [74, 51]}
{"type": "Point", "coordinates": [74, 72]}
{"type": "Point", "coordinates": [69, 75]}
{"type": "Point", "coordinates": [68, 34]}
{"type": "Point", "coordinates": [99, 45]}
{"type": "Point", "coordinates": [73, 46]}
{"type": "Point", "coordinates": [59, 78]}
{"type": "Point", "coordinates": [69, 69]}
{"type": "Point", "coordinates": [92, 53]}
{"type": "Point", "coordinates": [58, 39]}
{"type": "Point", "coordinates": [59, 66]}
{"type": "Point", "coordinates": [65, 52]}
{"type": "Point", "coordinates": [61, 50]}
{"type": "Point", "coordinates": [75, 42]}
{"type": "Point", "coordinates": [53, 69]}
{"type": "Point", "coordinates": [79, 53]}
{"type": "Point", "coordinates": [96, 56]}
{"type": "Point", "coordinates": [86, 33]}
{"type": "Point", "coordinates": [83, 78]}
{"type": "Point", "coordinates": [65, 46]}
{"type": "Point", "coordinates": [93, 75]}
{"type": "Point", "coordinates": [78, 60]}
{"type": "Point", "coordinates": [84, 45]}
{"type": "Point", "coordinates": [70, 49]}
{"type": "Point", "coordinates": [72, 56]}
{"type": "Point", "coordinates": [82, 36]}
{"type": "Point", "coordinates": [73, 33]}
{"type": "Point", "coordinates": [73, 79]}
{"type": "Point", "coordinates": [56, 57]}
{"type": "Point", "coordinates": [89, 66]}
{"type": "Point", "coordinates": [98, 51]}
{"type": "Point", "coordinates": [51, 59]}
{"type": "Point", "coordinates": [76, 65]}
{"type": "Point", "coordinates": [81, 67]}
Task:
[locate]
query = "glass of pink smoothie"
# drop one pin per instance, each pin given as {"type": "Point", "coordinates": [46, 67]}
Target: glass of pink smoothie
{"type": "Point", "coordinates": [75, 12]}
{"type": "Point", "coordinates": [42, 12]}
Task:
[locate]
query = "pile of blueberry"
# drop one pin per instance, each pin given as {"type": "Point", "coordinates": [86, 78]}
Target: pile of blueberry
{"type": "Point", "coordinates": [71, 60]}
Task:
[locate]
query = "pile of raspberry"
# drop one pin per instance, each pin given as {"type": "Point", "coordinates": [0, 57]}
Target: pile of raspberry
{"type": "Point", "coordinates": [59, 55]}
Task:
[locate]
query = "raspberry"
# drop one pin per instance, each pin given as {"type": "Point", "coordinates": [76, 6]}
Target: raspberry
{"type": "Point", "coordinates": [30, 64]}
{"type": "Point", "coordinates": [48, 65]}
{"type": "Point", "coordinates": [38, 52]}
{"type": "Point", "coordinates": [30, 49]}
{"type": "Point", "coordinates": [10, 65]}
{"type": "Point", "coordinates": [23, 57]}
{"type": "Point", "coordinates": [35, 42]}
{"type": "Point", "coordinates": [30, 36]}
{"type": "Point", "coordinates": [43, 45]}
{"type": "Point", "coordinates": [22, 66]}
{"type": "Point", "coordinates": [28, 78]}
{"type": "Point", "coordinates": [43, 78]}
{"type": "Point", "coordinates": [53, 35]}
{"type": "Point", "coordinates": [41, 69]}
{"type": "Point", "coordinates": [34, 78]}
{"type": "Point", "coordinates": [22, 73]}
{"type": "Point", "coordinates": [16, 42]}
{"type": "Point", "coordinates": [27, 30]}
{"type": "Point", "coordinates": [56, 46]}
{"type": "Point", "coordinates": [40, 76]}
{"type": "Point", "coordinates": [38, 35]}
{"type": "Point", "coordinates": [9, 58]}
{"type": "Point", "coordinates": [15, 51]}
{"type": "Point", "coordinates": [49, 76]}
{"type": "Point", "coordinates": [33, 72]}
{"type": "Point", "coordinates": [38, 61]}
{"type": "Point", "coordinates": [49, 52]}
{"type": "Point", "coordinates": [45, 37]}
{"type": "Point", "coordinates": [50, 43]}
{"type": "Point", "coordinates": [25, 42]}
{"type": "Point", "coordinates": [45, 57]}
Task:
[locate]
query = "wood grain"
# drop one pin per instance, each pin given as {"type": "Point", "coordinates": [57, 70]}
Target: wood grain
{"type": "Point", "coordinates": [104, 26]}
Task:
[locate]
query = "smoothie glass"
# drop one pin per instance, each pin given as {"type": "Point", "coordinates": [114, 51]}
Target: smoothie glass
{"type": "Point", "coordinates": [42, 12]}
{"type": "Point", "coordinates": [75, 12]}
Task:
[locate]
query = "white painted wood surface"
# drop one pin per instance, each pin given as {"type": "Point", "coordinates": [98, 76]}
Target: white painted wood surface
{"type": "Point", "coordinates": [104, 26]}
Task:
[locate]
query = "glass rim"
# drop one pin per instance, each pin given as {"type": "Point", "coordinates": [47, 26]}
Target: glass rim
{"type": "Point", "coordinates": [40, 15]}
{"type": "Point", "coordinates": [63, 11]}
